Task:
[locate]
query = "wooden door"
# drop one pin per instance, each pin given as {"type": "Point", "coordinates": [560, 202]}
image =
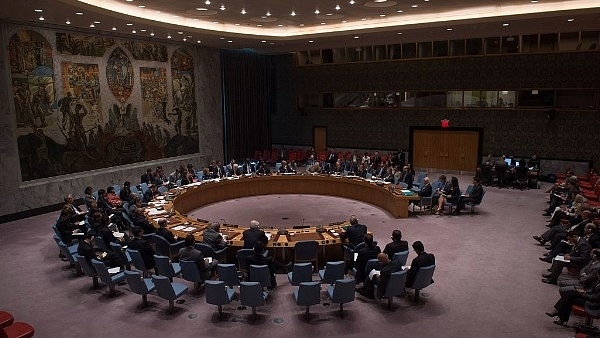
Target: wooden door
{"type": "Point", "coordinates": [320, 138]}
{"type": "Point", "coordinates": [445, 149]}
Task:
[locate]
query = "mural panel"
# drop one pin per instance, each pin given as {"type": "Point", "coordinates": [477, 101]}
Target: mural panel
{"type": "Point", "coordinates": [147, 51]}
{"type": "Point", "coordinates": [184, 104]}
{"type": "Point", "coordinates": [77, 132]}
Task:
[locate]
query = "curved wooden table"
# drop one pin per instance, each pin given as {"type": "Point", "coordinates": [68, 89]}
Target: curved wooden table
{"type": "Point", "coordinates": [282, 242]}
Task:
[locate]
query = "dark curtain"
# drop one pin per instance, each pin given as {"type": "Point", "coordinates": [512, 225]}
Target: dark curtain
{"type": "Point", "coordinates": [247, 103]}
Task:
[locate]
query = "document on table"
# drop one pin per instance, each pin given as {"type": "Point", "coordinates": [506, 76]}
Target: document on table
{"type": "Point", "coordinates": [188, 229]}
{"type": "Point", "coordinates": [179, 227]}
{"type": "Point", "coordinates": [155, 212]}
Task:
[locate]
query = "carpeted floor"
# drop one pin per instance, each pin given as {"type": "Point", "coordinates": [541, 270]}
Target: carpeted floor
{"type": "Point", "coordinates": [487, 279]}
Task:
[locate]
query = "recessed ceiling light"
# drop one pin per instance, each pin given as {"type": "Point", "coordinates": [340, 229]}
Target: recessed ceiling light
{"type": "Point", "coordinates": [243, 11]}
{"type": "Point", "coordinates": [381, 15]}
{"type": "Point", "coordinates": [79, 13]}
{"type": "Point", "coordinates": [414, 6]}
{"type": "Point", "coordinates": [221, 38]}
{"type": "Point", "coordinates": [356, 37]}
{"type": "Point", "coordinates": [222, 7]}
{"type": "Point", "coordinates": [534, 1]}
{"type": "Point", "coordinates": [129, 0]}
{"type": "Point", "coordinates": [379, 0]}
{"type": "Point", "coordinates": [207, 2]}
{"type": "Point", "coordinates": [169, 36]}
{"type": "Point", "coordinates": [199, 41]}
{"type": "Point", "coordinates": [237, 24]}
{"type": "Point", "coordinates": [505, 24]}
{"type": "Point", "coordinates": [42, 18]}
{"type": "Point", "coordinates": [310, 41]}
{"type": "Point", "coordinates": [363, 19]}
{"type": "Point", "coordinates": [268, 13]}
{"type": "Point", "coordinates": [329, 14]}
{"type": "Point", "coordinates": [175, 16]}
{"type": "Point", "coordinates": [189, 36]}
{"type": "Point", "coordinates": [352, 2]}
{"type": "Point", "coordinates": [293, 13]}
{"type": "Point", "coordinates": [426, 0]}
{"type": "Point", "coordinates": [133, 31]}
{"type": "Point", "coordinates": [400, 11]}
{"type": "Point", "coordinates": [571, 20]}
{"type": "Point", "coordinates": [92, 25]}
{"type": "Point", "coordinates": [142, 6]}
{"type": "Point", "coordinates": [317, 11]}
{"type": "Point", "coordinates": [280, 25]}
{"type": "Point", "coordinates": [399, 33]}
{"type": "Point", "coordinates": [215, 21]}
{"type": "Point", "coordinates": [337, 7]}
{"type": "Point", "coordinates": [448, 29]}
{"type": "Point", "coordinates": [151, 33]}
{"type": "Point", "coordinates": [68, 22]}
{"type": "Point", "coordinates": [129, 24]}
{"type": "Point", "coordinates": [114, 28]}
{"type": "Point", "coordinates": [97, 22]}
{"type": "Point", "coordinates": [322, 23]}
{"type": "Point", "coordinates": [263, 17]}
{"type": "Point", "coordinates": [180, 33]}
{"type": "Point", "coordinates": [142, 30]}
{"type": "Point", "coordinates": [344, 21]}
{"type": "Point", "coordinates": [39, 10]}
{"type": "Point", "coordinates": [259, 25]}
{"type": "Point", "coordinates": [263, 41]}
{"type": "Point", "coordinates": [229, 41]}
{"type": "Point", "coordinates": [201, 9]}
{"type": "Point", "coordinates": [184, 39]}
{"type": "Point", "coordinates": [271, 43]}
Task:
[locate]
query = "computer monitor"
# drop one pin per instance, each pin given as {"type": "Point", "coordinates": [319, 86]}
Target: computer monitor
{"type": "Point", "coordinates": [507, 160]}
{"type": "Point", "coordinates": [516, 163]}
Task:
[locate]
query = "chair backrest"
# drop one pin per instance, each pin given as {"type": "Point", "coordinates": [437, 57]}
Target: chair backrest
{"type": "Point", "coordinates": [102, 271]}
{"type": "Point", "coordinates": [333, 272]}
{"type": "Point", "coordinates": [163, 266]}
{"type": "Point", "coordinates": [306, 250]}
{"type": "Point", "coordinates": [162, 189]}
{"type": "Point", "coordinates": [309, 293]}
{"type": "Point", "coordinates": [372, 263]}
{"type": "Point", "coordinates": [164, 287]}
{"type": "Point", "coordinates": [261, 274]}
{"type": "Point", "coordinates": [136, 258]}
{"type": "Point", "coordinates": [144, 187]}
{"type": "Point", "coordinates": [395, 285]}
{"type": "Point", "coordinates": [136, 282]}
{"type": "Point", "coordinates": [207, 250]}
{"type": "Point", "coordinates": [420, 176]}
{"type": "Point", "coordinates": [190, 271]}
{"type": "Point", "coordinates": [241, 256]}
{"type": "Point", "coordinates": [343, 291]}
{"type": "Point", "coordinates": [85, 266]}
{"type": "Point", "coordinates": [65, 250]}
{"type": "Point", "coordinates": [216, 292]}
{"type": "Point", "coordinates": [251, 294]}
{"type": "Point", "coordinates": [423, 277]}
{"type": "Point", "coordinates": [163, 246]}
{"type": "Point", "coordinates": [56, 232]}
{"type": "Point", "coordinates": [118, 250]}
{"type": "Point", "coordinates": [469, 189]}
{"type": "Point", "coordinates": [401, 256]}
{"type": "Point", "coordinates": [228, 274]}
{"type": "Point", "coordinates": [302, 272]}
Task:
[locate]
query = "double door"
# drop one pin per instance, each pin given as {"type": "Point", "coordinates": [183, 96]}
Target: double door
{"type": "Point", "coordinates": [445, 149]}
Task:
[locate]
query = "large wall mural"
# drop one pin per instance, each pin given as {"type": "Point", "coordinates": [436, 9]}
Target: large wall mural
{"type": "Point", "coordinates": [108, 110]}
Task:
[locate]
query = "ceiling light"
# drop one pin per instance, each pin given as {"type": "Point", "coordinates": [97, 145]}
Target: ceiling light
{"type": "Point", "coordinates": [263, 41]}
{"type": "Point", "coordinates": [68, 22]}
{"type": "Point", "coordinates": [129, 0]}
{"type": "Point", "coordinates": [42, 18]}
{"type": "Point", "coordinates": [310, 41]}
{"type": "Point", "coordinates": [259, 25]}
{"type": "Point", "coordinates": [129, 24]}
{"type": "Point", "coordinates": [317, 11]}
{"type": "Point", "coordinates": [356, 37]}
{"type": "Point", "coordinates": [133, 31]}
{"type": "Point", "coordinates": [280, 25]}
{"type": "Point", "coordinates": [222, 38]}
{"type": "Point", "coordinates": [571, 20]}
{"type": "Point", "coordinates": [534, 1]}
{"type": "Point", "coordinates": [400, 11]}
{"type": "Point", "coordinates": [344, 21]}
{"type": "Point", "coordinates": [201, 9]}
{"type": "Point", "coordinates": [399, 33]}
{"type": "Point", "coordinates": [379, 0]}
{"type": "Point", "coordinates": [426, 0]}
{"type": "Point", "coordinates": [293, 13]}
{"type": "Point", "coordinates": [215, 21]}
{"type": "Point", "coordinates": [352, 2]}
{"type": "Point", "coordinates": [382, 15]}
{"type": "Point", "coordinates": [79, 13]}
{"type": "Point", "coordinates": [268, 13]}
{"type": "Point", "coordinates": [414, 6]}
{"type": "Point", "coordinates": [271, 43]}
{"type": "Point", "coordinates": [207, 2]}
{"type": "Point", "coordinates": [322, 23]}
{"type": "Point", "coordinates": [448, 29]}
{"type": "Point", "coordinates": [337, 7]}
{"type": "Point", "coordinates": [97, 22]}
{"type": "Point", "coordinates": [142, 6]}
{"type": "Point", "coordinates": [505, 24]}
{"type": "Point", "coordinates": [243, 11]}
{"type": "Point", "coordinates": [180, 33]}
{"type": "Point", "coordinates": [199, 41]}
{"type": "Point", "coordinates": [92, 25]}
{"type": "Point", "coordinates": [184, 39]}
{"type": "Point", "coordinates": [169, 36]}
{"type": "Point", "coordinates": [237, 24]}
{"type": "Point", "coordinates": [39, 10]}
{"type": "Point", "coordinates": [142, 30]}
{"type": "Point", "coordinates": [114, 28]}
{"type": "Point", "coordinates": [222, 7]}
{"type": "Point", "coordinates": [151, 33]}
{"type": "Point", "coordinates": [229, 41]}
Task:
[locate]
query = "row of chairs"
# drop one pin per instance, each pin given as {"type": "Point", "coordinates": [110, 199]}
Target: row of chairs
{"type": "Point", "coordinates": [11, 329]}
{"type": "Point", "coordinates": [427, 202]}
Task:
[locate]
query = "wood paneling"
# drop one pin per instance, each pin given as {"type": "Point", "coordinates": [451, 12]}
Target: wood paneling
{"type": "Point", "coordinates": [445, 149]}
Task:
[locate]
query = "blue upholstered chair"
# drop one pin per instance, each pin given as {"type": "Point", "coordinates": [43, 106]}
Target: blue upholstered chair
{"type": "Point", "coordinates": [168, 290]}
{"type": "Point", "coordinates": [307, 251]}
{"type": "Point", "coordinates": [401, 257]}
{"type": "Point", "coordinates": [124, 257]}
{"type": "Point", "coordinates": [191, 273]}
{"type": "Point", "coordinates": [395, 286]}
{"type": "Point", "coordinates": [301, 272]}
{"type": "Point", "coordinates": [138, 284]}
{"type": "Point", "coordinates": [106, 277]}
{"type": "Point", "coordinates": [252, 294]}
{"type": "Point", "coordinates": [138, 261]}
{"type": "Point", "coordinates": [165, 248]}
{"type": "Point", "coordinates": [307, 294]}
{"type": "Point", "coordinates": [241, 256]}
{"type": "Point", "coordinates": [88, 270]}
{"type": "Point", "coordinates": [342, 292]}
{"type": "Point", "coordinates": [165, 267]}
{"type": "Point", "coordinates": [228, 274]}
{"type": "Point", "coordinates": [217, 293]}
{"type": "Point", "coordinates": [332, 272]}
{"type": "Point", "coordinates": [209, 251]}
{"type": "Point", "coordinates": [99, 242]}
{"type": "Point", "coordinates": [422, 280]}
{"type": "Point", "coordinates": [261, 274]}
{"type": "Point", "coordinates": [162, 189]}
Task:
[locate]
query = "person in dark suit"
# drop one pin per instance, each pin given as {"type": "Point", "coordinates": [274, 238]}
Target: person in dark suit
{"type": "Point", "coordinates": [355, 232]}
{"type": "Point", "coordinates": [425, 190]}
{"type": "Point", "coordinates": [125, 193]}
{"type": "Point", "coordinates": [407, 177]}
{"type": "Point", "coordinates": [474, 197]}
{"type": "Point", "coordinates": [259, 258]}
{"type": "Point", "coordinates": [423, 259]}
{"type": "Point", "coordinates": [165, 233]}
{"type": "Point", "coordinates": [396, 245]}
{"type": "Point", "coordinates": [87, 250]}
{"type": "Point", "coordinates": [140, 244]}
{"type": "Point", "coordinates": [591, 235]}
{"type": "Point", "coordinates": [588, 299]}
{"type": "Point", "coordinates": [213, 237]}
{"type": "Point", "coordinates": [189, 253]}
{"type": "Point", "coordinates": [147, 177]}
{"type": "Point", "coordinates": [387, 267]}
{"type": "Point", "coordinates": [370, 251]}
{"type": "Point", "coordinates": [254, 235]}
{"type": "Point", "coordinates": [577, 258]}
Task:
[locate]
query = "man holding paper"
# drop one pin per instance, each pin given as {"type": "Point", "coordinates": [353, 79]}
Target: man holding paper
{"type": "Point", "coordinates": [577, 258]}
{"type": "Point", "coordinates": [381, 277]}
